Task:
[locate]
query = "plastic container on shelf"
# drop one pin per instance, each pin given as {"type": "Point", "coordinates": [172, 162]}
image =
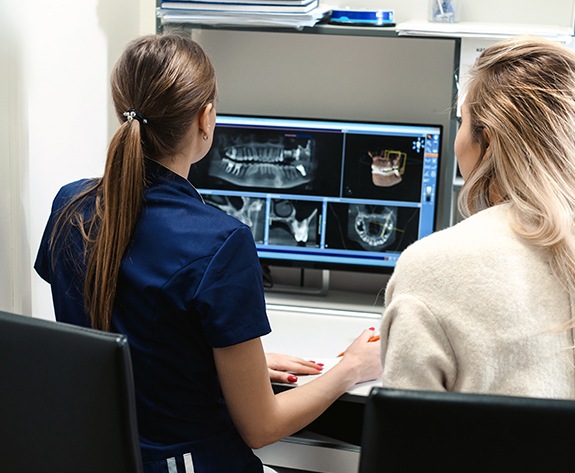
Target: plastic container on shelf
{"type": "Point", "coordinates": [444, 11]}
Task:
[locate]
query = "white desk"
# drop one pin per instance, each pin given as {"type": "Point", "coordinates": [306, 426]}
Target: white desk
{"type": "Point", "coordinates": [319, 331]}
{"type": "Point", "coordinates": [316, 326]}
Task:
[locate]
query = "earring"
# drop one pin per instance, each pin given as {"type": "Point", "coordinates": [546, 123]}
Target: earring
{"type": "Point", "coordinates": [205, 137]}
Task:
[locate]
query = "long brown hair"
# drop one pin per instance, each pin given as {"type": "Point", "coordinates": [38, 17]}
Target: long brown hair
{"type": "Point", "coordinates": [166, 80]}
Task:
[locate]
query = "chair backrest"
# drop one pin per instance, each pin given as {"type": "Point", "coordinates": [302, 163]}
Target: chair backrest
{"type": "Point", "coordinates": [419, 430]}
{"type": "Point", "coordinates": [67, 400]}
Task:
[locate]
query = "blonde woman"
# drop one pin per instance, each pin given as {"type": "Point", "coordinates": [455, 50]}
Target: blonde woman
{"type": "Point", "coordinates": [487, 305]}
{"type": "Point", "coordinates": [138, 252]}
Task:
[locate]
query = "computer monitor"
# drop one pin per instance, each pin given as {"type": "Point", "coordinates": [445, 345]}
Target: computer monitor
{"type": "Point", "coordinates": [325, 194]}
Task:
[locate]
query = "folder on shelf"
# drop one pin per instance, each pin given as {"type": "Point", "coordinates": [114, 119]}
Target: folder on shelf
{"type": "Point", "coordinates": [248, 18]}
{"type": "Point", "coordinates": [228, 7]}
{"type": "Point", "coordinates": [182, 3]}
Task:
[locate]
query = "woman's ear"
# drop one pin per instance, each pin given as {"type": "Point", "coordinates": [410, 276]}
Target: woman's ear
{"type": "Point", "coordinates": [204, 121]}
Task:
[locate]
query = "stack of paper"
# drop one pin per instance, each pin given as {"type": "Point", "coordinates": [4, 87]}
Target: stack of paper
{"type": "Point", "coordinates": [296, 13]}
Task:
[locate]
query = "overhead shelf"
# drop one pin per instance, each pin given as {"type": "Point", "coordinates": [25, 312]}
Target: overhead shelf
{"type": "Point", "coordinates": [482, 30]}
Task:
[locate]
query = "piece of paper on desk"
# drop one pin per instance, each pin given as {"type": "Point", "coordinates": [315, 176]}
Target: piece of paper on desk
{"type": "Point", "coordinates": [361, 389]}
{"type": "Point", "coordinates": [328, 363]}
{"type": "Point", "coordinates": [250, 18]}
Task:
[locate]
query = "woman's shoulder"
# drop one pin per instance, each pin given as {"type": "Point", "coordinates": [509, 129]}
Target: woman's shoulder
{"type": "Point", "coordinates": [441, 261]}
{"type": "Point", "coordinates": [483, 232]}
{"type": "Point", "coordinates": [182, 217]}
{"type": "Point", "coordinates": [491, 222]}
{"type": "Point", "coordinates": [205, 215]}
{"type": "Point", "coordinates": [72, 189]}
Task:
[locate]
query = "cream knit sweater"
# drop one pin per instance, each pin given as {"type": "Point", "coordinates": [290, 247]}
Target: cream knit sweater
{"type": "Point", "coordinates": [473, 308]}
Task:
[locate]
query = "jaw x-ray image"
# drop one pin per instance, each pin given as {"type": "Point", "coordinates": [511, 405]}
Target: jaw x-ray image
{"type": "Point", "coordinates": [372, 226]}
{"type": "Point", "coordinates": [294, 223]}
{"type": "Point", "coordinates": [248, 210]}
{"type": "Point", "coordinates": [262, 159]}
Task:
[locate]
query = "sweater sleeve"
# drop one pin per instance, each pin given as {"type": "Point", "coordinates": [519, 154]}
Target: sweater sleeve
{"type": "Point", "coordinates": [416, 353]}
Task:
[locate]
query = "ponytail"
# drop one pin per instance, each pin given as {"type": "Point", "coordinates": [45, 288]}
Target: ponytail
{"type": "Point", "coordinates": [118, 206]}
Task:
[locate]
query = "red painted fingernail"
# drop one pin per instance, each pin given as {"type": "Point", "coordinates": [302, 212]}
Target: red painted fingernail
{"type": "Point", "coordinates": [371, 328]}
{"type": "Point", "coordinates": [311, 361]}
{"type": "Point", "coordinates": [292, 378]}
{"type": "Point", "coordinates": [320, 364]}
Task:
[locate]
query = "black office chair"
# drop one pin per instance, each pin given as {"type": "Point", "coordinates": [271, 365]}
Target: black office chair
{"type": "Point", "coordinates": [408, 431]}
{"type": "Point", "coordinates": [66, 399]}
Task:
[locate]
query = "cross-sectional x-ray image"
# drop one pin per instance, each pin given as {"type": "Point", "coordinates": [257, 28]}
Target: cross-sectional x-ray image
{"type": "Point", "coordinates": [248, 210]}
{"type": "Point", "coordinates": [372, 226]}
{"type": "Point", "coordinates": [262, 158]}
{"type": "Point", "coordinates": [294, 223]}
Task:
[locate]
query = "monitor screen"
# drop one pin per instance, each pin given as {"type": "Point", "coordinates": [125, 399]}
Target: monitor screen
{"type": "Point", "coordinates": [324, 194]}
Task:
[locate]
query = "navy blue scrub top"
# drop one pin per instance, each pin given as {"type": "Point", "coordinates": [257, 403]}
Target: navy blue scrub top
{"type": "Point", "coordinates": [190, 281]}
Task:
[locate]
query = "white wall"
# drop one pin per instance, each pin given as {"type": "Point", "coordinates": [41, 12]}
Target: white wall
{"type": "Point", "coordinates": [54, 119]}
{"type": "Point", "coordinates": [12, 144]}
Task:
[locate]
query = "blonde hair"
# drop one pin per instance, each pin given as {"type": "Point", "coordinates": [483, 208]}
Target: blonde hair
{"type": "Point", "coordinates": [168, 79]}
{"type": "Point", "coordinates": [521, 103]}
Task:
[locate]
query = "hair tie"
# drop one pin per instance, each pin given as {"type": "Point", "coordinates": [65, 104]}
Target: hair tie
{"type": "Point", "coordinates": [133, 113]}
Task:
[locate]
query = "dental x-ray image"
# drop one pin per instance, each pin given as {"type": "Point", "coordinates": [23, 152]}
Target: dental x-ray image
{"type": "Point", "coordinates": [368, 227]}
{"type": "Point", "coordinates": [248, 210]}
{"type": "Point", "coordinates": [387, 168]}
{"type": "Point", "coordinates": [263, 159]}
{"type": "Point", "coordinates": [294, 223]}
{"type": "Point", "coordinates": [372, 226]}
{"type": "Point", "coordinates": [272, 160]}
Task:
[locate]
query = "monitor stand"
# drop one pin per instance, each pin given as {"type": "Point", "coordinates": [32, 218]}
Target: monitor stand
{"type": "Point", "coordinates": [318, 290]}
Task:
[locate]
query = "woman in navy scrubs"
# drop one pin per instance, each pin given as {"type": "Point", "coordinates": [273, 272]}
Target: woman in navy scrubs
{"type": "Point", "coordinates": [138, 252]}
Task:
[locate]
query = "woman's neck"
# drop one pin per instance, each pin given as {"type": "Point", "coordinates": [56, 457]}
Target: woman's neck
{"type": "Point", "coordinates": [179, 166]}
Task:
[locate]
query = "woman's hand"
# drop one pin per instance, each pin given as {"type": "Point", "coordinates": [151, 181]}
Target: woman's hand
{"type": "Point", "coordinates": [364, 357]}
{"type": "Point", "coordinates": [284, 368]}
